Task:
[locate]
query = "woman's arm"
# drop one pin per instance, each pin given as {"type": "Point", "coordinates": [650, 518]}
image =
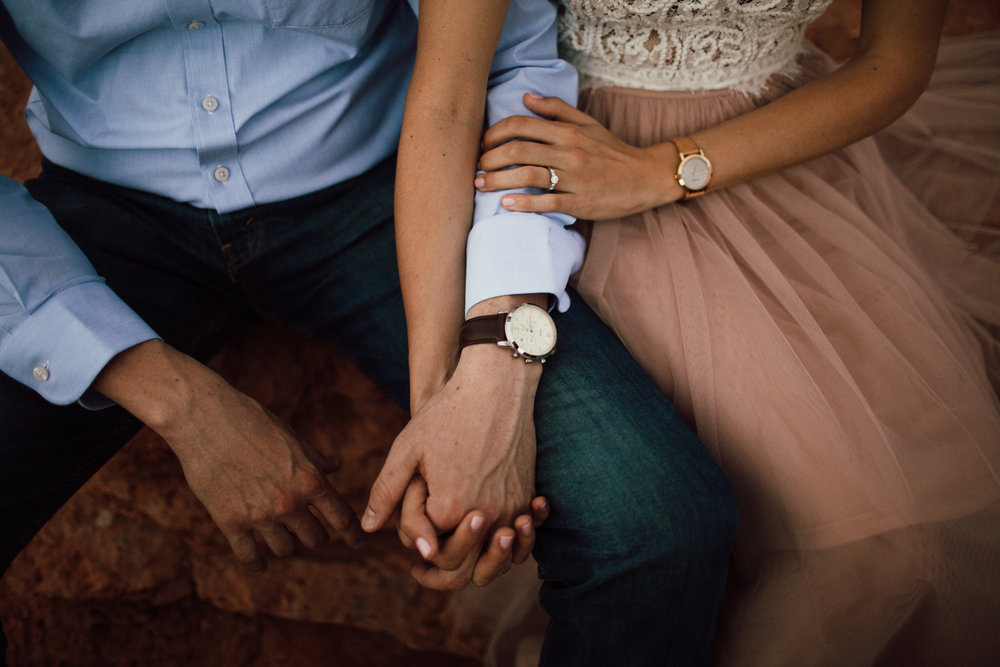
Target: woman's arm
{"type": "Point", "coordinates": [603, 178]}
{"type": "Point", "coordinates": [439, 144]}
{"type": "Point", "coordinates": [465, 462]}
{"type": "Point", "coordinates": [895, 57]}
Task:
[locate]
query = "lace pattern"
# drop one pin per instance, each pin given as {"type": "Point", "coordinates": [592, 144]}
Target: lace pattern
{"type": "Point", "coordinates": [686, 44]}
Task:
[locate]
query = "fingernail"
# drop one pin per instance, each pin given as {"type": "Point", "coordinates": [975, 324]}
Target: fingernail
{"type": "Point", "coordinates": [526, 529]}
{"type": "Point", "coordinates": [424, 547]}
{"type": "Point", "coordinates": [506, 541]}
{"type": "Point", "coordinates": [476, 523]}
{"type": "Point", "coordinates": [507, 202]}
{"type": "Point", "coordinates": [480, 182]}
{"type": "Point", "coordinates": [369, 519]}
{"type": "Point", "coordinates": [534, 96]}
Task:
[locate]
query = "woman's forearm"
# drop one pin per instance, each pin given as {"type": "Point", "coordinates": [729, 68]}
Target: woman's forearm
{"type": "Point", "coordinates": [433, 215]}
{"type": "Point", "coordinates": [895, 57]}
{"type": "Point", "coordinates": [439, 145]}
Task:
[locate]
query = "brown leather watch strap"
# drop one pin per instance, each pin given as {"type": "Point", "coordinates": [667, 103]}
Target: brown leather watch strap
{"type": "Point", "coordinates": [483, 329]}
{"type": "Point", "coordinates": [685, 146]}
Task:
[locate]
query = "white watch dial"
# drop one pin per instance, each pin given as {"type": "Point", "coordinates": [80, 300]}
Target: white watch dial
{"type": "Point", "coordinates": [695, 172]}
{"type": "Point", "coordinates": [531, 330]}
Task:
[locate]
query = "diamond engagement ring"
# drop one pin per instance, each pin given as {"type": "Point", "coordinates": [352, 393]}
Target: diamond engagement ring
{"type": "Point", "coordinates": [553, 179]}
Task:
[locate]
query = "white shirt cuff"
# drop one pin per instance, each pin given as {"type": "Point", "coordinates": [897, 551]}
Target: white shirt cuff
{"type": "Point", "coordinates": [520, 253]}
{"type": "Point", "coordinates": [62, 346]}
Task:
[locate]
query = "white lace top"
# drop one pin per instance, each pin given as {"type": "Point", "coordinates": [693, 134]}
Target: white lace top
{"type": "Point", "coordinates": [686, 44]}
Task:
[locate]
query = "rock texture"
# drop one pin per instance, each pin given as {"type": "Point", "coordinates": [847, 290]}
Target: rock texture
{"type": "Point", "coordinates": [132, 571]}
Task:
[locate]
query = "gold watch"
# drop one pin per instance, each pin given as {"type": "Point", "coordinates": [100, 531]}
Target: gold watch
{"type": "Point", "coordinates": [694, 172]}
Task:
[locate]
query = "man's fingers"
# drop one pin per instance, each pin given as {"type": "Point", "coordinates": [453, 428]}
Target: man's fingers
{"type": "Point", "coordinates": [327, 464]}
{"type": "Point", "coordinates": [497, 559]}
{"type": "Point", "coordinates": [415, 529]}
{"type": "Point", "coordinates": [388, 489]}
{"type": "Point", "coordinates": [308, 529]}
{"type": "Point", "coordinates": [278, 539]}
{"type": "Point", "coordinates": [312, 487]}
{"type": "Point", "coordinates": [336, 512]}
{"type": "Point", "coordinates": [245, 549]}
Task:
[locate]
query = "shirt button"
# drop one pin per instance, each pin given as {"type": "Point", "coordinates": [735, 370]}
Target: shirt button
{"type": "Point", "coordinates": [41, 373]}
{"type": "Point", "coordinates": [221, 174]}
{"type": "Point", "coordinates": [209, 104]}
{"type": "Point", "coordinates": [194, 25]}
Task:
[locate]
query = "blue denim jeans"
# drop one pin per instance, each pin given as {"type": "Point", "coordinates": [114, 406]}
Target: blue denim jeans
{"type": "Point", "coordinates": [634, 556]}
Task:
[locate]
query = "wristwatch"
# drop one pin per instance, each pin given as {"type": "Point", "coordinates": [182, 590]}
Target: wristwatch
{"type": "Point", "coordinates": [528, 330]}
{"type": "Point", "coordinates": [694, 171]}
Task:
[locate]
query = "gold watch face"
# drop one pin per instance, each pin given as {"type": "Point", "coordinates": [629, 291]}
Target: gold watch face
{"type": "Point", "coordinates": [694, 172]}
{"type": "Point", "coordinates": [531, 331]}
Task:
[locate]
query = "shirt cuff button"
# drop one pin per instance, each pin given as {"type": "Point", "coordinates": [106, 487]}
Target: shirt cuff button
{"type": "Point", "coordinates": [41, 373]}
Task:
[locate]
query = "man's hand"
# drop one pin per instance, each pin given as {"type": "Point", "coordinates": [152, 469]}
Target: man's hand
{"type": "Point", "coordinates": [250, 471]}
{"type": "Point", "coordinates": [473, 445]}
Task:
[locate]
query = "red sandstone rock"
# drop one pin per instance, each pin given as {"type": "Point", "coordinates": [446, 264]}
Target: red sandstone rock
{"type": "Point", "coordinates": [135, 543]}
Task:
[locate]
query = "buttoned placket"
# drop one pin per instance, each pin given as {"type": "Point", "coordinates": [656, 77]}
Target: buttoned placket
{"type": "Point", "coordinates": [212, 117]}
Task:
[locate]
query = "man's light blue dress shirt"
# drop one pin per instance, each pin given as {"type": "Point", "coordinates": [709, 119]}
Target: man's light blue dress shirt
{"type": "Point", "coordinates": [225, 104]}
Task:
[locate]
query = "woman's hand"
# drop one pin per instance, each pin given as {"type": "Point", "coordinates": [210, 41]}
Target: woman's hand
{"type": "Point", "coordinates": [600, 176]}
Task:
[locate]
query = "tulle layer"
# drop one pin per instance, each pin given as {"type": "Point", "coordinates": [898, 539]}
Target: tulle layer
{"type": "Point", "coordinates": [924, 595]}
{"type": "Point", "coordinates": [828, 335]}
{"type": "Point", "coordinates": [947, 148]}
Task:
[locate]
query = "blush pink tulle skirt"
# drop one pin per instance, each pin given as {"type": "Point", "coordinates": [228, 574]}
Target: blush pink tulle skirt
{"type": "Point", "coordinates": [830, 332]}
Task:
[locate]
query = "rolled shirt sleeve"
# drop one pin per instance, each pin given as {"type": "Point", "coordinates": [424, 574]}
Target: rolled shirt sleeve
{"type": "Point", "coordinates": [60, 323]}
{"type": "Point", "coordinates": [512, 252]}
